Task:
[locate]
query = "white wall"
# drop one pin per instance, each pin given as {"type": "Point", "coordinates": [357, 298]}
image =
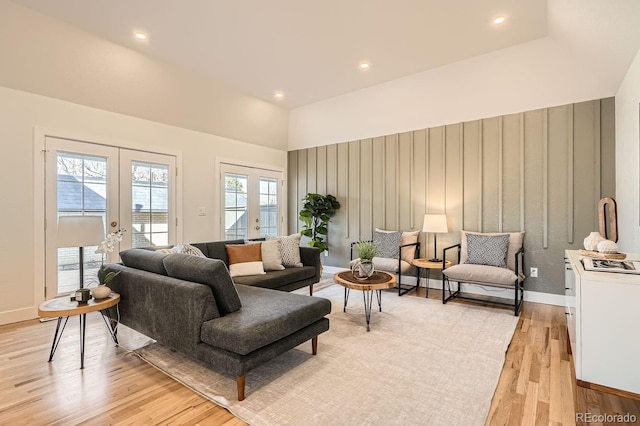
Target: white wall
{"type": "Point", "coordinates": [627, 159]}
{"type": "Point", "coordinates": [42, 55]}
{"type": "Point", "coordinates": [21, 113]}
{"type": "Point", "coordinates": [525, 77]}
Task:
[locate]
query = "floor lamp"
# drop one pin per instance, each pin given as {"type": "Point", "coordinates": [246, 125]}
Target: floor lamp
{"type": "Point", "coordinates": [436, 224]}
{"type": "Point", "coordinates": [80, 231]}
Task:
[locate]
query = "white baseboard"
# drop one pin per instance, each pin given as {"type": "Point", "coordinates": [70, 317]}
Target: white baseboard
{"type": "Point", "coordinates": [18, 315]}
{"type": "Point", "coordinates": [529, 296]}
{"type": "Point", "coordinates": [332, 269]}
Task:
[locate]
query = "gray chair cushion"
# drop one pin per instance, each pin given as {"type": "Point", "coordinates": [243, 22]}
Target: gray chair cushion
{"type": "Point", "coordinates": [146, 260]}
{"type": "Point", "coordinates": [388, 265]}
{"type": "Point", "coordinates": [211, 272]}
{"type": "Point", "coordinates": [266, 317]}
{"type": "Point", "coordinates": [481, 274]}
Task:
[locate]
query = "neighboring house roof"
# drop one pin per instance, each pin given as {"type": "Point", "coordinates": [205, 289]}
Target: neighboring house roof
{"type": "Point", "coordinates": [72, 193]}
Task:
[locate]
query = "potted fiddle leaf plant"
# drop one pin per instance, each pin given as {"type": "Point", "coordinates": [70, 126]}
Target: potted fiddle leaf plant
{"type": "Point", "coordinates": [317, 211]}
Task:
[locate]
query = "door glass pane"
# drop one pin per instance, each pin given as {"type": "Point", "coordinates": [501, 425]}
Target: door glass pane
{"type": "Point", "coordinates": [81, 190]}
{"type": "Point", "coordinates": [149, 204]}
{"type": "Point", "coordinates": [235, 206]}
{"type": "Point", "coordinates": [268, 206]}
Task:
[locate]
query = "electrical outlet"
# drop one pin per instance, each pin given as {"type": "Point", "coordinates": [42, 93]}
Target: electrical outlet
{"type": "Point", "coordinates": [202, 211]}
{"type": "Point", "coordinates": [533, 272]}
{"type": "Point", "coordinates": [326, 253]}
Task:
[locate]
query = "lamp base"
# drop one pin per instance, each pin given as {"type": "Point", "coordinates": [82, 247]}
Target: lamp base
{"type": "Point", "coordinates": [435, 260]}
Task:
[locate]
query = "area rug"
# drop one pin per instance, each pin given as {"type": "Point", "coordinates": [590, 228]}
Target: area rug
{"type": "Point", "coordinates": [422, 363]}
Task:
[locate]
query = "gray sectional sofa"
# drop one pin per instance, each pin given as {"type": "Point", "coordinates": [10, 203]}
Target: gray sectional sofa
{"type": "Point", "coordinates": [190, 304]}
{"type": "Point", "coordinates": [288, 279]}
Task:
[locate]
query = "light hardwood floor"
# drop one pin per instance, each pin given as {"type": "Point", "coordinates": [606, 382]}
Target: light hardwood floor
{"type": "Point", "coordinates": [116, 387]}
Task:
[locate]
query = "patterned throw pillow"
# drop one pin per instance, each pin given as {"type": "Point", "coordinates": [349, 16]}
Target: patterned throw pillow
{"type": "Point", "coordinates": [187, 249]}
{"type": "Point", "coordinates": [245, 259]}
{"type": "Point", "coordinates": [290, 250]}
{"type": "Point", "coordinates": [388, 243]}
{"type": "Point", "coordinates": [488, 250]}
{"type": "Point", "coordinates": [408, 237]}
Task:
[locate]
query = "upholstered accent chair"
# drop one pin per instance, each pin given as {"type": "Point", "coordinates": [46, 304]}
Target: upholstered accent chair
{"type": "Point", "coordinates": [486, 260]}
{"type": "Point", "coordinates": [396, 251]}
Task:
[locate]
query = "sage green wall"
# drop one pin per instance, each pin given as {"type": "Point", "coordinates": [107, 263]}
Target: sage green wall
{"type": "Point", "coordinates": [540, 171]}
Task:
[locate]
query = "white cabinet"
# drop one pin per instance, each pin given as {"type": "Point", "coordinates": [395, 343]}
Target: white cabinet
{"type": "Point", "coordinates": [603, 321]}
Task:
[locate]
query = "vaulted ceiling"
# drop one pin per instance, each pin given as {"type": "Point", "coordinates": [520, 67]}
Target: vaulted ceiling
{"type": "Point", "coordinates": [311, 50]}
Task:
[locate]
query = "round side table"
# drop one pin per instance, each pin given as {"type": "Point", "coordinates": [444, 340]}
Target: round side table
{"type": "Point", "coordinates": [64, 307]}
{"type": "Point", "coordinates": [427, 265]}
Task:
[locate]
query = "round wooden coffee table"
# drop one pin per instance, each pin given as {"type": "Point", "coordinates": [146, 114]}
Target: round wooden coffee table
{"type": "Point", "coordinates": [374, 284]}
{"type": "Point", "coordinates": [64, 307]}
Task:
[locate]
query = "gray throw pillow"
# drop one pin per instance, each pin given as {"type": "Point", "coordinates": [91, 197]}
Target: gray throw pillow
{"type": "Point", "coordinates": [211, 272]}
{"type": "Point", "coordinates": [271, 256]}
{"type": "Point", "coordinates": [289, 250]}
{"type": "Point", "coordinates": [488, 250]}
{"type": "Point", "coordinates": [388, 243]}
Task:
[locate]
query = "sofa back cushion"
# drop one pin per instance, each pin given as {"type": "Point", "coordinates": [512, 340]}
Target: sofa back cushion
{"type": "Point", "coordinates": [211, 272]}
{"type": "Point", "coordinates": [217, 249]}
{"type": "Point", "coordinates": [146, 260]}
{"type": "Point", "coordinates": [516, 240]}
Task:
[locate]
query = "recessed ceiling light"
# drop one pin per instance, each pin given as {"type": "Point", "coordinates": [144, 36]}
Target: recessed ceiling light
{"type": "Point", "coordinates": [499, 20]}
{"type": "Point", "coordinates": [278, 95]}
{"type": "Point", "coordinates": [140, 35]}
{"type": "Point", "coordinates": [364, 65]}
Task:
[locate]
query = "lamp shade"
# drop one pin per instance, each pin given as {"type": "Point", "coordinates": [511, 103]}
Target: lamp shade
{"type": "Point", "coordinates": [435, 223]}
{"type": "Point", "coordinates": [80, 231]}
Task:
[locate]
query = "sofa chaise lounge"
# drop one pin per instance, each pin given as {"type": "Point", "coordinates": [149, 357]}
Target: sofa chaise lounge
{"type": "Point", "coordinates": [190, 304]}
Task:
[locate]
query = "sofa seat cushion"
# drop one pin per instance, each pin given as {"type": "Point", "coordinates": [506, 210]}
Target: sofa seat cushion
{"type": "Point", "coordinates": [266, 316]}
{"type": "Point", "coordinates": [277, 279]}
{"type": "Point", "coordinates": [211, 272]}
{"type": "Point", "coordinates": [481, 274]}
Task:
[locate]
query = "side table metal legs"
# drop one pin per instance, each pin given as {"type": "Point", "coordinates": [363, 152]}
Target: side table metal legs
{"type": "Point", "coordinates": [57, 336]}
{"type": "Point", "coordinates": [113, 329]}
{"type": "Point", "coordinates": [367, 296]}
{"type": "Point", "coordinates": [109, 321]}
{"type": "Point", "coordinates": [83, 328]}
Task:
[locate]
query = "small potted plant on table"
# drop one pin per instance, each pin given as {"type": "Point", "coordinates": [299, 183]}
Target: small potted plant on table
{"type": "Point", "coordinates": [364, 267]}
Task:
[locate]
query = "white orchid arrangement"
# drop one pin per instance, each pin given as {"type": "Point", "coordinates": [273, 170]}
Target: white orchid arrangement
{"type": "Point", "coordinates": [107, 246]}
{"type": "Point", "coordinates": [112, 239]}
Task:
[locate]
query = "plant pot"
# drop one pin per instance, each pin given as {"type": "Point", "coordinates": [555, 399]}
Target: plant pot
{"type": "Point", "coordinates": [363, 269]}
{"type": "Point", "coordinates": [101, 292]}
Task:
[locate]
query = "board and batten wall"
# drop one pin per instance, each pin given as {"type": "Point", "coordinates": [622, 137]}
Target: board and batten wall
{"type": "Point", "coordinates": [541, 171]}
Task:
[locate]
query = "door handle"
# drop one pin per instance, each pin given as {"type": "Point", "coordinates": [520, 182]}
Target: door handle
{"type": "Point", "coordinates": [114, 224]}
{"type": "Point", "coordinates": [257, 227]}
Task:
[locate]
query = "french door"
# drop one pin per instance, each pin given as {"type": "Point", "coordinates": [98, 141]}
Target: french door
{"type": "Point", "coordinates": [130, 190]}
{"type": "Point", "coordinates": [251, 202]}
